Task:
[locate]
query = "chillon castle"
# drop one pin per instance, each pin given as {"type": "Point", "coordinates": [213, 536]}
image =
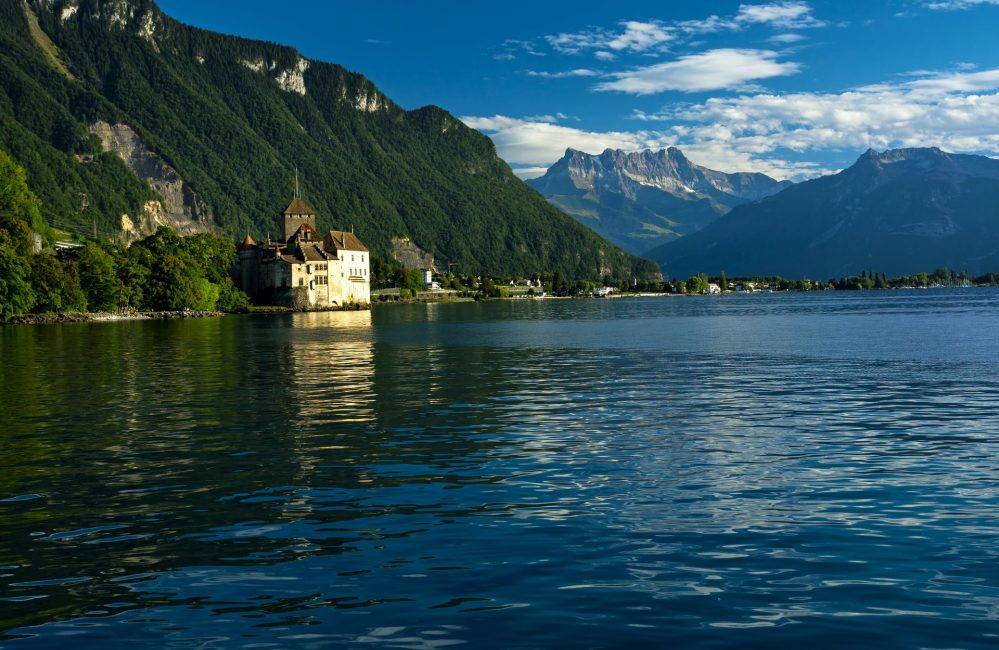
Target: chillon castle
{"type": "Point", "coordinates": [304, 269]}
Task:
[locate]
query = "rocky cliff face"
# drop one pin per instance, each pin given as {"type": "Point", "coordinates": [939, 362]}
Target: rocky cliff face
{"type": "Point", "coordinates": [642, 199]}
{"type": "Point", "coordinates": [411, 256]}
{"type": "Point", "coordinates": [900, 211]}
{"type": "Point", "coordinates": [181, 208]}
{"type": "Point", "coordinates": [667, 169]}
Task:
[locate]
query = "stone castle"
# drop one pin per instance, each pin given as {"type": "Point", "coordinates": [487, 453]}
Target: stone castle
{"type": "Point", "coordinates": [304, 270]}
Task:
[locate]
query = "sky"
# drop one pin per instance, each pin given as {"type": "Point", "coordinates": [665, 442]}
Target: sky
{"type": "Point", "coordinates": [790, 88]}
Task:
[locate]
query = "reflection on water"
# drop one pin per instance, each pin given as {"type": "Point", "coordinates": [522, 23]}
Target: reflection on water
{"type": "Point", "coordinates": [508, 475]}
{"type": "Point", "coordinates": [331, 369]}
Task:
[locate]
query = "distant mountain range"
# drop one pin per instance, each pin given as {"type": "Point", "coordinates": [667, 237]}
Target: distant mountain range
{"type": "Point", "coordinates": [640, 200]}
{"type": "Point", "coordinates": [899, 212]}
{"type": "Point", "coordinates": [126, 119]}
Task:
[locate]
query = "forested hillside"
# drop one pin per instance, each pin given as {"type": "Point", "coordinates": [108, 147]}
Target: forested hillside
{"type": "Point", "coordinates": [223, 122]}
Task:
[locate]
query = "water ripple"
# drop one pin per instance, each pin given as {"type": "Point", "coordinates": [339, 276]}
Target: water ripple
{"type": "Point", "coordinates": [779, 471]}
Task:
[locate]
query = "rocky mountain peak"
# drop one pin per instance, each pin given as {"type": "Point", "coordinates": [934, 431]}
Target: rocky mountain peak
{"type": "Point", "coordinates": [669, 170]}
{"type": "Point", "coordinates": [642, 198]}
{"type": "Point", "coordinates": [877, 168]}
{"type": "Point", "coordinates": [901, 209]}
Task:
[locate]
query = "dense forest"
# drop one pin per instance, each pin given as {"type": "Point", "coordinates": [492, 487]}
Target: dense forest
{"type": "Point", "coordinates": [160, 272]}
{"type": "Point", "coordinates": [235, 118]}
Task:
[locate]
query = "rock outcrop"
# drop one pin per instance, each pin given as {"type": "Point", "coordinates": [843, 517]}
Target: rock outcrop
{"type": "Point", "coordinates": [180, 208]}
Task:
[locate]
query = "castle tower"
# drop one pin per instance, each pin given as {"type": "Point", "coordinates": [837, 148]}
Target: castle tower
{"type": "Point", "coordinates": [296, 214]}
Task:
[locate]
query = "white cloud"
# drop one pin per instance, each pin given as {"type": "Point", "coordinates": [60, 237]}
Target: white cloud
{"type": "Point", "coordinates": [547, 118]}
{"type": "Point", "coordinates": [711, 70]}
{"type": "Point", "coordinates": [956, 112]}
{"type": "Point", "coordinates": [707, 25]}
{"type": "Point", "coordinates": [635, 36]}
{"type": "Point", "coordinates": [531, 146]}
{"type": "Point", "coordinates": [722, 157]}
{"type": "Point", "coordinates": [525, 173]}
{"type": "Point", "coordinates": [640, 37]}
{"type": "Point", "coordinates": [578, 72]}
{"type": "Point", "coordinates": [781, 15]}
{"type": "Point", "coordinates": [777, 15]}
{"type": "Point", "coordinates": [513, 48]}
{"type": "Point", "coordinates": [787, 38]}
{"type": "Point", "coordinates": [537, 143]}
{"type": "Point", "coordinates": [947, 5]}
{"type": "Point", "coordinates": [958, 82]}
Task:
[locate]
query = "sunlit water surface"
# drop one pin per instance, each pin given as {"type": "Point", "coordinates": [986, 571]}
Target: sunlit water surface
{"type": "Point", "coordinates": [743, 471]}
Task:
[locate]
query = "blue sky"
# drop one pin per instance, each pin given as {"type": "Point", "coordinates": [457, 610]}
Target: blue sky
{"type": "Point", "coordinates": [790, 88]}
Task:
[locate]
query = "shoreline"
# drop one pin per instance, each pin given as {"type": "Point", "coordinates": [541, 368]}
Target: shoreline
{"type": "Point", "coordinates": [107, 317]}
{"type": "Point", "coordinates": [110, 317]}
{"type": "Point", "coordinates": [59, 318]}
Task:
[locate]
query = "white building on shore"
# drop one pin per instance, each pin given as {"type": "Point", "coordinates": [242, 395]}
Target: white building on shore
{"type": "Point", "coordinates": [305, 269]}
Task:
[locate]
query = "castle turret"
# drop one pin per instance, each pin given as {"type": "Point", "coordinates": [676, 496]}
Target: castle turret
{"type": "Point", "coordinates": [297, 214]}
{"type": "Point", "coordinates": [246, 270]}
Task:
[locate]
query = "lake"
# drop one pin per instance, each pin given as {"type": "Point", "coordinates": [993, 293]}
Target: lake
{"type": "Point", "coordinates": [735, 471]}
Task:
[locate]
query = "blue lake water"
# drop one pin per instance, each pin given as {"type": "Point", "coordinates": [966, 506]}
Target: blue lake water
{"type": "Point", "coordinates": [741, 471]}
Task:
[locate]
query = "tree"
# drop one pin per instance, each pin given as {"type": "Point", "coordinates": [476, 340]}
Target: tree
{"type": "Point", "coordinates": [231, 299]}
{"type": "Point", "coordinates": [559, 285]}
{"type": "Point", "coordinates": [18, 201]}
{"type": "Point", "coordinates": [723, 282]}
{"type": "Point", "coordinates": [134, 266]}
{"type": "Point", "coordinates": [16, 295]}
{"type": "Point", "coordinates": [697, 283]}
{"type": "Point", "coordinates": [98, 278]}
{"type": "Point", "coordinates": [56, 285]}
{"type": "Point", "coordinates": [212, 254]}
{"type": "Point", "coordinates": [205, 296]}
{"type": "Point", "coordinates": [489, 288]}
{"type": "Point", "coordinates": [171, 283]}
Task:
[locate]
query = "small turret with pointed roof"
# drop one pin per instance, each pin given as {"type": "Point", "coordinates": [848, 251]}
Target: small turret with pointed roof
{"type": "Point", "coordinates": [247, 243]}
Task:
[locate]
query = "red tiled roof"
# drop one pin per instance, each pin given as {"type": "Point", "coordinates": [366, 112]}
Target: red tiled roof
{"type": "Point", "coordinates": [298, 206]}
{"type": "Point", "coordinates": [313, 253]}
{"type": "Point", "coordinates": [341, 240]}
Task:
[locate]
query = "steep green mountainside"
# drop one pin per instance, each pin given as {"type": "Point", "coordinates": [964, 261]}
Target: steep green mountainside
{"type": "Point", "coordinates": [217, 125]}
{"type": "Point", "coordinates": [898, 212]}
{"type": "Point", "coordinates": [642, 199]}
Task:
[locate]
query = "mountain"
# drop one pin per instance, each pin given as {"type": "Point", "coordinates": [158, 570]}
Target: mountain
{"type": "Point", "coordinates": [642, 199]}
{"type": "Point", "coordinates": [901, 211]}
{"type": "Point", "coordinates": [125, 118]}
